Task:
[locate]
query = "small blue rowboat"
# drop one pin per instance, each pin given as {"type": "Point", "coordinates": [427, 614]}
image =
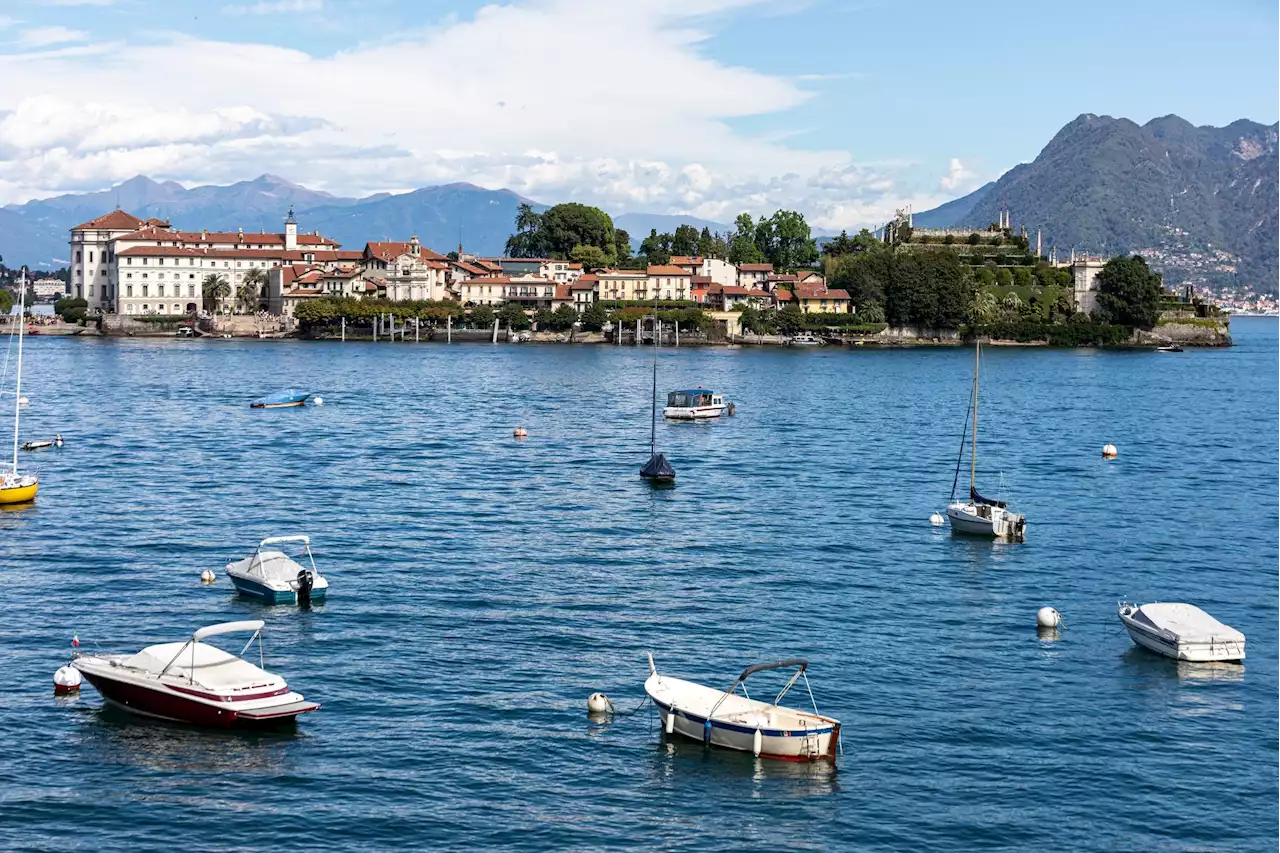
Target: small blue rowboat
{"type": "Point", "coordinates": [281, 399]}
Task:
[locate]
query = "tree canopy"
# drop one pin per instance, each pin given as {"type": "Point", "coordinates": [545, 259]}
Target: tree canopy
{"type": "Point", "coordinates": [1129, 293]}
{"type": "Point", "coordinates": [558, 230]}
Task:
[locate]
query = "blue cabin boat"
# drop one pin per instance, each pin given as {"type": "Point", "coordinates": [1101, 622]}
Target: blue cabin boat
{"type": "Point", "coordinates": [281, 399]}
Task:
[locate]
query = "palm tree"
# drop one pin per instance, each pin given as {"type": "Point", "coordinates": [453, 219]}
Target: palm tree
{"type": "Point", "coordinates": [251, 289]}
{"type": "Point", "coordinates": [214, 288]}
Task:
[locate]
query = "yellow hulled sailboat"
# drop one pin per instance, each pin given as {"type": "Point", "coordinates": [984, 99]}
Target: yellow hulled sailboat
{"type": "Point", "coordinates": [16, 487]}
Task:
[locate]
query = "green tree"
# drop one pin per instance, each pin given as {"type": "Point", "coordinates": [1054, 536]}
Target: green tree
{"type": "Point", "coordinates": [512, 314]}
{"type": "Point", "coordinates": [973, 239]}
{"type": "Point", "coordinates": [566, 226]}
{"type": "Point", "coordinates": [1023, 277]}
{"type": "Point", "coordinates": [996, 240]}
{"type": "Point", "coordinates": [251, 289]}
{"type": "Point", "coordinates": [1129, 292]}
{"type": "Point", "coordinates": [786, 241]}
{"type": "Point", "coordinates": [214, 288]}
{"type": "Point", "coordinates": [6, 302]}
{"type": "Point", "coordinates": [481, 317]}
{"type": "Point", "coordinates": [871, 312]}
{"type": "Point", "coordinates": [70, 309]}
{"type": "Point", "coordinates": [685, 240]}
{"type": "Point", "coordinates": [591, 257]}
{"type": "Point", "coordinates": [1004, 277]}
{"type": "Point", "coordinates": [864, 276]}
{"type": "Point", "coordinates": [529, 240]}
{"type": "Point", "coordinates": [656, 248]}
{"type": "Point", "coordinates": [742, 242]}
{"type": "Point", "coordinates": [839, 246]}
{"type": "Point", "coordinates": [542, 318]}
{"type": "Point", "coordinates": [562, 319]}
{"type": "Point", "coordinates": [594, 317]}
{"type": "Point", "coordinates": [621, 245]}
{"type": "Point", "coordinates": [949, 239]}
{"type": "Point", "coordinates": [790, 320]}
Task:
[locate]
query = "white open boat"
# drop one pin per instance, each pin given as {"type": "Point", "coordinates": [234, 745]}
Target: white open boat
{"type": "Point", "coordinates": [724, 718]}
{"type": "Point", "coordinates": [1181, 631]}
{"type": "Point", "coordinates": [194, 682]}
{"type": "Point", "coordinates": [804, 339]}
{"type": "Point", "coordinates": [273, 576]}
{"type": "Point", "coordinates": [981, 516]}
{"type": "Point", "coordinates": [694, 405]}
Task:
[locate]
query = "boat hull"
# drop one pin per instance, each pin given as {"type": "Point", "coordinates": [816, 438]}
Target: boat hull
{"type": "Point", "coordinates": [786, 745]}
{"type": "Point", "coordinates": [694, 414]}
{"type": "Point", "coordinates": [999, 524]}
{"type": "Point", "coordinates": [1191, 652]}
{"type": "Point", "coordinates": [269, 595]}
{"type": "Point", "coordinates": [277, 405]}
{"type": "Point", "coordinates": [165, 704]}
{"type": "Point", "coordinates": [19, 494]}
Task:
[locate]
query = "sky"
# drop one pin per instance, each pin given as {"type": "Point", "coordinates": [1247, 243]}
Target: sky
{"type": "Point", "coordinates": [844, 111]}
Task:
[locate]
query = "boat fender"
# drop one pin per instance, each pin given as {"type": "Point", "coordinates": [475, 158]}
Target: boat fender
{"type": "Point", "coordinates": [706, 731]}
{"type": "Point", "coordinates": [671, 720]}
{"type": "Point", "coordinates": [207, 576]}
{"type": "Point", "coordinates": [66, 680]}
{"type": "Point", "coordinates": [305, 583]}
{"type": "Point", "coordinates": [757, 742]}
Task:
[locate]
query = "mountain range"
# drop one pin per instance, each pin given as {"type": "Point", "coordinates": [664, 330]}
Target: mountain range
{"type": "Point", "coordinates": [36, 233]}
{"type": "Point", "coordinates": [1199, 201]}
{"type": "Point", "coordinates": [1196, 200]}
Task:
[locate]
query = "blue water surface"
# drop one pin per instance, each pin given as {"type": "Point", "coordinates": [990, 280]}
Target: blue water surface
{"type": "Point", "coordinates": [483, 587]}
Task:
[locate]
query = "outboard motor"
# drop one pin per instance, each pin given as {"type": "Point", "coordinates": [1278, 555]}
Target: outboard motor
{"type": "Point", "coordinates": [305, 583]}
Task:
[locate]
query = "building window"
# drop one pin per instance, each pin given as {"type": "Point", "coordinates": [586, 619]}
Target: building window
{"type": "Point", "coordinates": [160, 261]}
{"type": "Point", "coordinates": [77, 257]}
{"type": "Point", "coordinates": [191, 290]}
{"type": "Point", "coordinates": [128, 291]}
{"type": "Point", "coordinates": [129, 261]}
{"type": "Point", "coordinates": [91, 257]}
{"type": "Point", "coordinates": [128, 275]}
{"type": "Point", "coordinates": [144, 275]}
{"type": "Point", "coordinates": [160, 290]}
{"type": "Point", "coordinates": [144, 290]}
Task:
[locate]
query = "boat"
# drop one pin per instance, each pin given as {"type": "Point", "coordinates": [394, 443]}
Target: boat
{"type": "Point", "coordinates": [979, 515]}
{"type": "Point", "coordinates": [1169, 348]}
{"type": "Point", "coordinates": [194, 682]}
{"type": "Point", "coordinates": [281, 399]}
{"type": "Point", "coordinates": [694, 405]}
{"type": "Point", "coordinates": [39, 444]}
{"type": "Point", "coordinates": [17, 487]}
{"type": "Point", "coordinates": [1181, 631]}
{"type": "Point", "coordinates": [727, 719]}
{"type": "Point", "coordinates": [273, 576]}
{"type": "Point", "coordinates": [804, 339]}
{"type": "Point", "coordinates": [657, 469]}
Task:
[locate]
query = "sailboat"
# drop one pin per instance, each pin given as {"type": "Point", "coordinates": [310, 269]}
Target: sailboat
{"type": "Point", "coordinates": [16, 487]}
{"type": "Point", "coordinates": [657, 469]}
{"type": "Point", "coordinates": [980, 516]}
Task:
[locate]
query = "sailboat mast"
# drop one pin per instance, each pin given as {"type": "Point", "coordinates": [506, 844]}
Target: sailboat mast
{"type": "Point", "coordinates": [973, 452]}
{"type": "Point", "coordinates": [653, 417]}
{"type": "Point", "coordinates": [17, 391]}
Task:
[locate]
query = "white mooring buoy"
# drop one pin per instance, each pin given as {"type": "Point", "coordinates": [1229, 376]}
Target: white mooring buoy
{"type": "Point", "coordinates": [66, 680]}
{"type": "Point", "coordinates": [598, 703]}
{"type": "Point", "coordinates": [208, 576]}
{"type": "Point", "coordinates": [937, 519]}
{"type": "Point", "coordinates": [317, 401]}
{"type": "Point", "coordinates": [1047, 617]}
{"type": "Point", "coordinates": [1109, 451]}
{"type": "Point", "coordinates": [520, 432]}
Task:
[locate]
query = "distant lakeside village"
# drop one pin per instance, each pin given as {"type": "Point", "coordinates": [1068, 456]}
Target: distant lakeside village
{"type": "Point", "coordinates": [568, 275]}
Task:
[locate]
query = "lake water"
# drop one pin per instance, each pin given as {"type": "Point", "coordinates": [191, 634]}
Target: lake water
{"type": "Point", "coordinates": [483, 587]}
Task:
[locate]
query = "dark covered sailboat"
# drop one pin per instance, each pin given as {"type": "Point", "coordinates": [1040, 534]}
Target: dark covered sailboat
{"type": "Point", "coordinates": [657, 469]}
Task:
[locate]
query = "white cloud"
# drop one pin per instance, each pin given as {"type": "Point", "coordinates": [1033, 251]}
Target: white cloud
{"type": "Point", "coordinates": [6, 21]}
{"type": "Point", "coordinates": [275, 7]}
{"type": "Point", "coordinates": [959, 178]}
{"type": "Point", "coordinates": [78, 2]}
{"type": "Point", "coordinates": [618, 105]}
{"type": "Point", "coordinates": [46, 36]}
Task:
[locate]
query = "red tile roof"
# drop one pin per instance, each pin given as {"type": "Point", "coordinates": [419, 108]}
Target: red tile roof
{"type": "Point", "coordinates": [782, 295]}
{"type": "Point", "coordinates": [490, 279]}
{"type": "Point", "coordinates": [562, 293]}
{"type": "Point", "coordinates": [687, 260]}
{"type": "Point", "coordinates": [818, 291]}
{"type": "Point", "coordinates": [470, 269]}
{"type": "Point", "coordinates": [238, 238]}
{"type": "Point", "coordinates": [755, 267]}
{"type": "Point", "coordinates": [587, 281]}
{"type": "Point", "coordinates": [116, 220]}
{"type": "Point", "coordinates": [667, 269]}
{"type": "Point", "coordinates": [390, 250]}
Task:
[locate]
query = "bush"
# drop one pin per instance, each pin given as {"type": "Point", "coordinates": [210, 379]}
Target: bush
{"type": "Point", "coordinates": [594, 317]}
{"type": "Point", "coordinates": [562, 319]}
{"type": "Point", "coordinates": [71, 310]}
{"type": "Point", "coordinates": [996, 240]}
{"type": "Point", "coordinates": [949, 239]}
{"type": "Point", "coordinates": [481, 317]}
{"type": "Point", "coordinates": [1074, 334]}
{"type": "Point", "coordinates": [974, 239]}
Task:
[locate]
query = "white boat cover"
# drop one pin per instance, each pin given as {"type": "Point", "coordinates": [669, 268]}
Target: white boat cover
{"type": "Point", "coordinates": [1187, 622]}
{"type": "Point", "coordinates": [212, 667]}
{"type": "Point", "coordinates": [268, 565]}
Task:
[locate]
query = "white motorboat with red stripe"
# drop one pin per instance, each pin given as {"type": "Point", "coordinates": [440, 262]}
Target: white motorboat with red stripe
{"type": "Point", "coordinates": [724, 718]}
{"type": "Point", "coordinates": [194, 682]}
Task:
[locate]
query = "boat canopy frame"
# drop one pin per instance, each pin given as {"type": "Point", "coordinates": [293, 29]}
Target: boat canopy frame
{"type": "Point", "coordinates": [254, 625]}
{"type": "Point", "coordinates": [283, 540]}
{"type": "Point", "coordinates": [799, 663]}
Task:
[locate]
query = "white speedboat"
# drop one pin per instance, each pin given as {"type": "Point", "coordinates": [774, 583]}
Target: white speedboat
{"type": "Point", "coordinates": [694, 405]}
{"type": "Point", "coordinates": [1181, 631]}
{"type": "Point", "coordinates": [724, 718]}
{"type": "Point", "coordinates": [804, 339]}
{"type": "Point", "coordinates": [981, 516]}
{"type": "Point", "coordinates": [194, 682]}
{"type": "Point", "coordinates": [273, 576]}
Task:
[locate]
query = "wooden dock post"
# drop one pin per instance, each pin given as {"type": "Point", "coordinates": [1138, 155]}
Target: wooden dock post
{"type": "Point", "coordinates": [448, 329]}
{"type": "Point", "coordinates": [677, 333]}
{"type": "Point", "coordinates": [495, 331]}
{"type": "Point", "coordinates": [344, 329]}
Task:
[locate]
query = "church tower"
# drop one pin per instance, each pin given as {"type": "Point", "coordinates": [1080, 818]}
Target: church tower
{"type": "Point", "coordinates": [290, 231]}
